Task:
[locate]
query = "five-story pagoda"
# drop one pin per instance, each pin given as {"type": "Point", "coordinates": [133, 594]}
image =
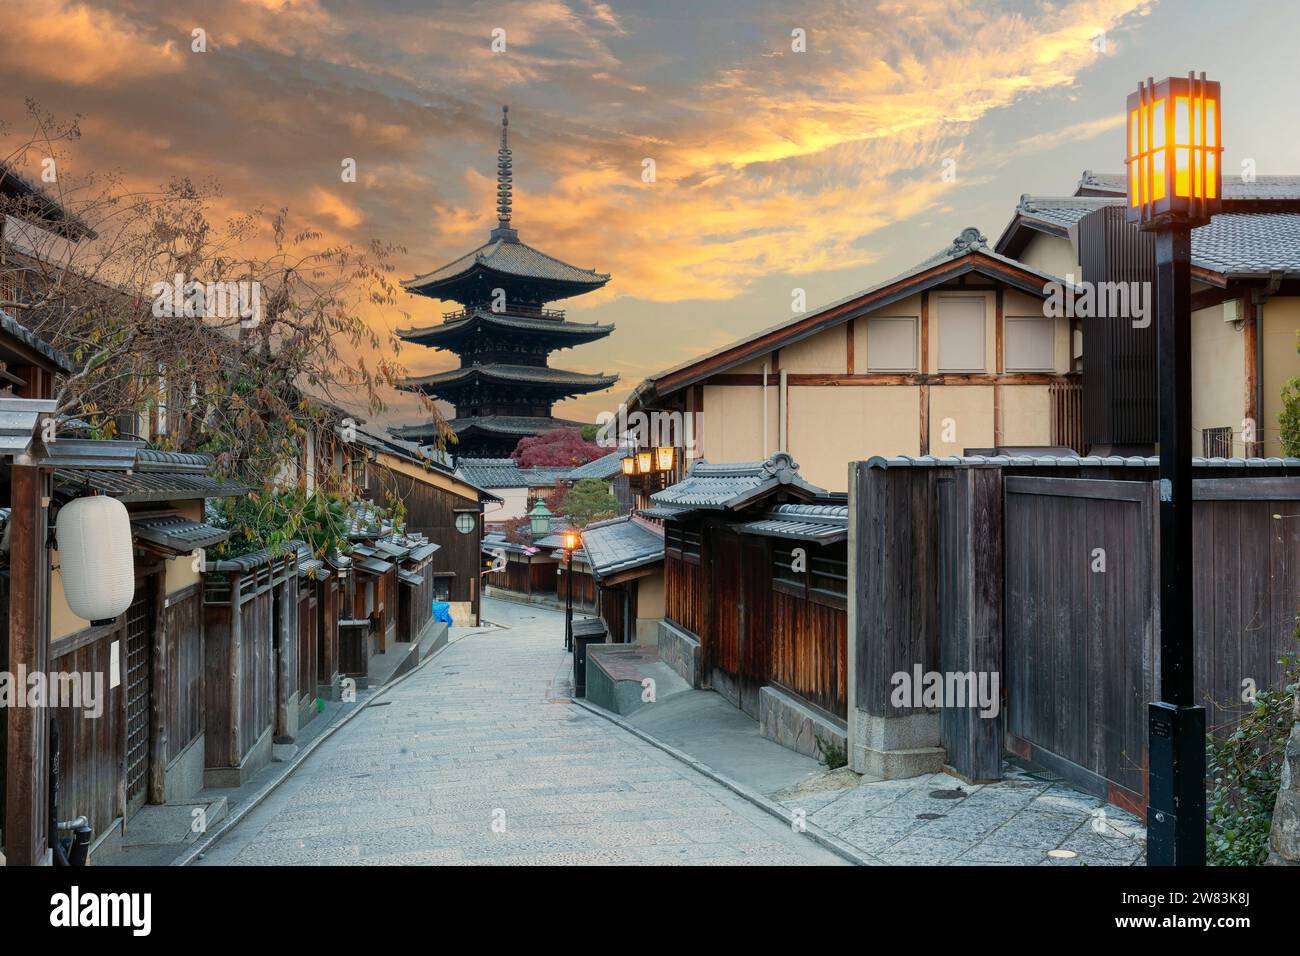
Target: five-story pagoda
{"type": "Point", "coordinates": [503, 334]}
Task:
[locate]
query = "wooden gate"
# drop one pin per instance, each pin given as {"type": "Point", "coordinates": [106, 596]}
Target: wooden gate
{"type": "Point", "coordinates": [1082, 596]}
{"type": "Point", "coordinates": [139, 631]}
{"type": "Point", "coordinates": [740, 617]}
{"type": "Point", "coordinates": [1080, 630]}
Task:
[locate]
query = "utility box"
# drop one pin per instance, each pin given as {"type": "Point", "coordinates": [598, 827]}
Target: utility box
{"type": "Point", "coordinates": [586, 631]}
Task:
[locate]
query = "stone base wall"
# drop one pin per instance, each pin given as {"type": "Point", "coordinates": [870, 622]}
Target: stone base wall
{"type": "Point", "coordinates": [792, 723]}
{"type": "Point", "coordinates": [680, 651]}
{"type": "Point", "coordinates": [890, 748]}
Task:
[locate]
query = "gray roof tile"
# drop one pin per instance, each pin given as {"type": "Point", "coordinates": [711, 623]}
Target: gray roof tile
{"type": "Point", "coordinates": [722, 486]}
{"type": "Point", "coordinates": [621, 544]}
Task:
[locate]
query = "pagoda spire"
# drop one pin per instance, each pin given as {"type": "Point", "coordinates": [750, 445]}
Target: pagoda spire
{"type": "Point", "coordinates": [505, 181]}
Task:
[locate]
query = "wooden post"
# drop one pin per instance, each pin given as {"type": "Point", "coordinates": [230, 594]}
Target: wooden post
{"type": "Point", "coordinates": [1250, 346]}
{"type": "Point", "coordinates": [26, 799]}
{"type": "Point", "coordinates": [158, 690]}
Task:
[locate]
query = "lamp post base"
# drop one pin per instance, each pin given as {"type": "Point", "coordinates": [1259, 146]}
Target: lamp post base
{"type": "Point", "coordinates": [1176, 783]}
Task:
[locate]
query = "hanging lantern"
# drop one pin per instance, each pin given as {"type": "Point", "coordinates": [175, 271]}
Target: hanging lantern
{"type": "Point", "coordinates": [94, 540]}
{"type": "Point", "coordinates": [664, 457]}
{"type": "Point", "coordinates": [644, 463]}
{"type": "Point", "coordinates": [571, 540]}
{"type": "Point", "coordinates": [539, 519]}
{"type": "Point", "coordinates": [629, 464]}
{"type": "Point", "coordinates": [1174, 147]}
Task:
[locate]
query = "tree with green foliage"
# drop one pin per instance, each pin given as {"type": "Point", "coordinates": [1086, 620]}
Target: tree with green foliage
{"type": "Point", "coordinates": [588, 500]}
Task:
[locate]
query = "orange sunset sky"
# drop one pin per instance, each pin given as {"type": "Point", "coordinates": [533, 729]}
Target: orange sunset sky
{"type": "Point", "coordinates": [820, 170]}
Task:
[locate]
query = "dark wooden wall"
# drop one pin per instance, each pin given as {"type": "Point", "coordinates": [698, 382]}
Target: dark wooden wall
{"type": "Point", "coordinates": [809, 653]}
{"type": "Point", "coordinates": [183, 687]}
{"type": "Point", "coordinates": [431, 511]}
{"type": "Point", "coordinates": [684, 593]}
{"type": "Point", "coordinates": [92, 752]}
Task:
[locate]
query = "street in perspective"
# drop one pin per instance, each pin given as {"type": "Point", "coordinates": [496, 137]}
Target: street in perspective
{"type": "Point", "coordinates": [599, 433]}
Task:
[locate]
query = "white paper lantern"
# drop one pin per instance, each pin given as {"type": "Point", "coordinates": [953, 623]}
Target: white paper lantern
{"type": "Point", "coordinates": [98, 572]}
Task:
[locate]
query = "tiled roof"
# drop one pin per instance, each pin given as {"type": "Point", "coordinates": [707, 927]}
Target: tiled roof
{"type": "Point", "coordinates": [729, 486]}
{"type": "Point", "coordinates": [1248, 244]}
{"type": "Point", "coordinates": [819, 523]}
{"type": "Point", "coordinates": [1062, 211]}
{"type": "Point", "coordinates": [524, 374]}
{"type": "Point", "coordinates": [621, 544]}
{"type": "Point", "coordinates": [512, 258]}
{"type": "Point", "coordinates": [176, 534]}
{"type": "Point", "coordinates": [506, 473]}
{"type": "Point", "coordinates": [158, 476]}
{"type": "Point", "coordinates": [1263, 188]}
{"type": "Point", "coordinates": [259, 558]}
{"type": "Point", "coordinates": [607, 466]}
{"type": "Point", "coordinates": [33, 341]}
{"type": "Point", "coordinates": [480, 317]}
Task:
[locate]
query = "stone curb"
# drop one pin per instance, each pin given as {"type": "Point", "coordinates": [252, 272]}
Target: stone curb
{"type": "Point", "coordinates": [252, 803]}
{"type": "Point", "coordinates": [819, 836]}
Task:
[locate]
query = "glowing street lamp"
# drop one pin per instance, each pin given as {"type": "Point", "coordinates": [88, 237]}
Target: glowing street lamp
{"type": "Point", "coordinates": [664, 457]}
{"type": "Point", "coordinates": [572, 542]}
{"type": "Point", "coordinates": [1175, 182]}
{"type": "Point", "coordinates": [629, 464]}
{"type": "Point", "coordinates": [1174, 148]}
{"type": "Point", "coordinates": [644, 463]}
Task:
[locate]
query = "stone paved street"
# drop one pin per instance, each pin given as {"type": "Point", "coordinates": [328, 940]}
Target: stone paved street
{"type": "Point", "coordinates": [478, 736]}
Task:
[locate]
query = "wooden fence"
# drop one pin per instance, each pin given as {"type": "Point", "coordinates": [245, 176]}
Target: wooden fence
{"type": "Point", "coordinates": [1047, 578]}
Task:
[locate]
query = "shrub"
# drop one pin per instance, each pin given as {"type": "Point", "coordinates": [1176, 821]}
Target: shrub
{"type": "Point", "coordinates": [1246, 773]}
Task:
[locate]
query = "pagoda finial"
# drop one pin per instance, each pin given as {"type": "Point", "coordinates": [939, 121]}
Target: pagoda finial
{"type": "Point", "coordinates": [505, 172]}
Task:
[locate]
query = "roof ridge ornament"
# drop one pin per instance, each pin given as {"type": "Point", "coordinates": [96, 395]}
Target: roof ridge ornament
{"type": "Point", "coordinates": [782, 467]}
{"type": "Point", "coordinates": [505, 183]}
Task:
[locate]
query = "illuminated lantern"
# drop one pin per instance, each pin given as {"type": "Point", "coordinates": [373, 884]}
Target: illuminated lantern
{"type": "Point", "coordinates": [93, 536]}
{"type": "Point", "coordinates": [644, 462]}
{"type": "Point", "coordinates": [1174, 147]}
{"type": "Point", "coordinates": [629, 465]}
{"type": "Point", "coordinates": [571, 540]}
{"type": "Point", "coordinates": [664, 456]}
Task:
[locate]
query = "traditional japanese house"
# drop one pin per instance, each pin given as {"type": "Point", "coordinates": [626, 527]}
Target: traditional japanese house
{"type": "Point", "coordinates": [954, 353]}
{"type": "Point", "coordinates": [755, 577]}
{"type": "Point", "coordinates": [626, 557]}
{"type": "Point", "coordinates": [517, 488]}
{"type": "Point", "coordinates": [251, 647]}
{"type": "Point", "coordinates": [1245, 311]}
{"type": "Point", "coordinates": [503, 333]}
{"type": "Point", "coordinates": [444, 508]}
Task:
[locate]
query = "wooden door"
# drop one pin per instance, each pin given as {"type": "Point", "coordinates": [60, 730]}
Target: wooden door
{"type": "Point", "coordinates": [725, 617]}
{"type": "Point", "coordinates": [139, 641]}
{"type": "Point", "coordinates": [754, 630]}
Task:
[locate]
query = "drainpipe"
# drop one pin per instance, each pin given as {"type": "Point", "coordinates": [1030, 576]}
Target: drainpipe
{"type": "Point", "coordinates": [782, 405]}
{"type": "Point", "coordinates": [765, 452]}
{"type": "Point", "coordinates": [1259, 297]}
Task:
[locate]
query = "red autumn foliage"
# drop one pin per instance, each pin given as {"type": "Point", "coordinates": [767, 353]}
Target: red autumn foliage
{"type": "Point", "coordinates": [559, 446]}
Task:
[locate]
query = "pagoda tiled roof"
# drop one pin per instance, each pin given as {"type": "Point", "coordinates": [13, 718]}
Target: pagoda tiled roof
{"type": "Point", "coordinates": [514, 374]}
{"type": "Point", "coordinates": [520, 425]}
{"type": "Point", "coordinates": [479, 318]}
{"type": "Point", "coordinates": [507, 256]}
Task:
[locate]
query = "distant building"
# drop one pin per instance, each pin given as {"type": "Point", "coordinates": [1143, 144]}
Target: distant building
{"type": "Point", "coordinates": [503, 333]}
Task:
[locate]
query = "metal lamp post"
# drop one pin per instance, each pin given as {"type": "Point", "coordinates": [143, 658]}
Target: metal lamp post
{"type": "Point", "coordinates": [1175, 184]}
{"type": "Point", "coordinates": [572, 541]}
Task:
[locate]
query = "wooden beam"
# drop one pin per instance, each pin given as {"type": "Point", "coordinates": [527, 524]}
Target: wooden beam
{"type": "Point", "coordinates": [27, 738]}
{"type": "Point", "coordinates": [999, 367]}
{"type": "Point", "coordinates": [1250, 377]}
{"type": "Point", "coordinates": [848, 347]}
{"type": "Point", "coordinates": [158, 690]}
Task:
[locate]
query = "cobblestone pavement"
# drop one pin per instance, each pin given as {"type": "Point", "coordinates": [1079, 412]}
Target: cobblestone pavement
{"type": "Point", "coordinates": [1025, 820]}
{"type": "Point", "coordinates": [473, 759]}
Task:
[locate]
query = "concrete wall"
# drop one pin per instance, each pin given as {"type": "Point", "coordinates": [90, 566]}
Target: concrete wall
{"type": "Point", "coordinates": [1051, 254]}
{"type": "Point", "coordinates": [649, 607]}
{"type": "Point", "coordinates": [1218, 376]}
